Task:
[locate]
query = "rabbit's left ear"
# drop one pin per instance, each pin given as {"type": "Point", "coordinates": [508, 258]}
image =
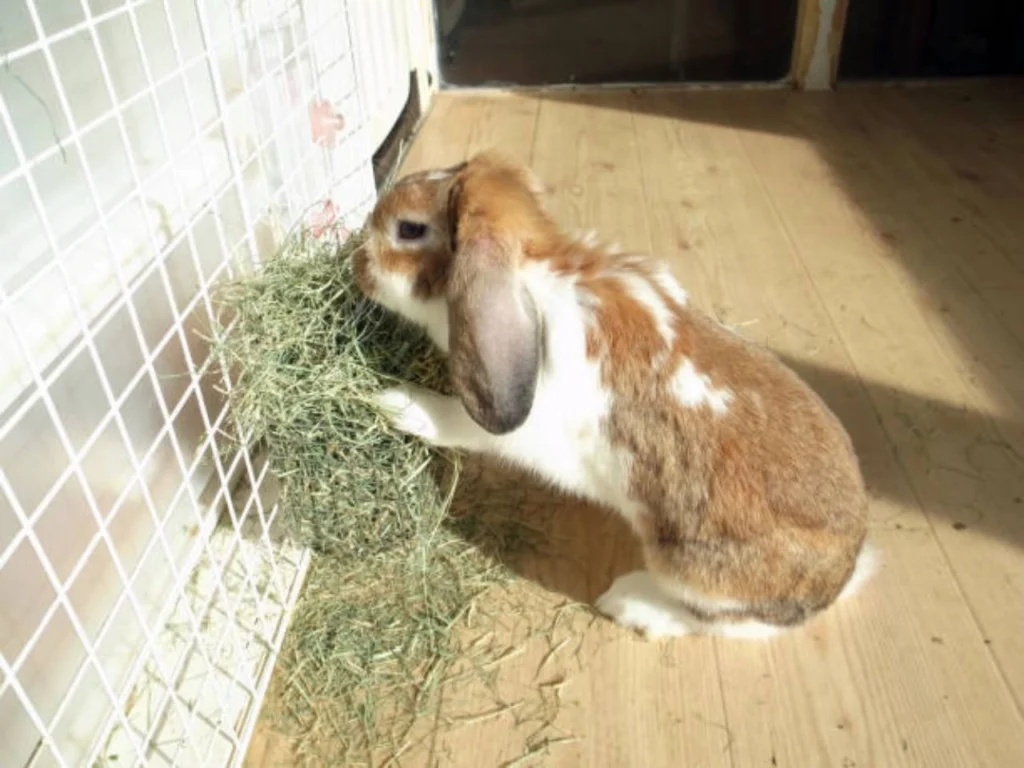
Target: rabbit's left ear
{"type": "Point", "coordinates": [493, 324]}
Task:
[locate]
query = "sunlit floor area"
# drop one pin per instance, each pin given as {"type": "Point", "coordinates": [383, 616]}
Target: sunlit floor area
{"type": "Point", "coordinates": [874, 238]}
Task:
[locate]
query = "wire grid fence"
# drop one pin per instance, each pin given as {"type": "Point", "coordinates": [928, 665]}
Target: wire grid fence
{"type": "Point", "coordinates": [149, 149]}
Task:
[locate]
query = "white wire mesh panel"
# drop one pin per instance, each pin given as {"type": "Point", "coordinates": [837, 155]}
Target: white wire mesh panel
{"type": "Point", "coordinates": [382, 61]}
{"type": "Point", "coordinates": [148, 149]}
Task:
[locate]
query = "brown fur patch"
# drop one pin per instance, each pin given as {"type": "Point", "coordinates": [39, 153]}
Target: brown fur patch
{"type": "Point", "coordinates": [628, 330]}
{"type": "Point", "coordinates": [486, 196]}
{"type": "Point", "coordinates": [763, 504]}
{"type": "Point", "coordinates": [361, 272]}
{"type": "Point", "coordinates": [431, 276]}
{"type": "Point", "coordinates": [496, 200]}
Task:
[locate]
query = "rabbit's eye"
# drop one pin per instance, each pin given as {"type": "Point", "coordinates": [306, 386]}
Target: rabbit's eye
{"type": "Point", "coordinates": [411, 230]}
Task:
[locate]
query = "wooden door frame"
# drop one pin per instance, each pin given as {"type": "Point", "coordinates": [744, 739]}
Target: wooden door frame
{"type": "Point", "coordinates": [814, 60]}
{"type": "Point", "coordinates": [820, 25]}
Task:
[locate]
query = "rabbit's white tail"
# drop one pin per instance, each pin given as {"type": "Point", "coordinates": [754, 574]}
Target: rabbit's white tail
{"type": "Point", "coordinates": [866, 567]}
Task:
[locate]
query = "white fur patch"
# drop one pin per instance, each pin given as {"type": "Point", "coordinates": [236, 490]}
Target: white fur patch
{"type": "Point", "coordinates": [650, 605]}
{"type": "Point", "coordinates": [394, 291]}
{"type": "Point", "coordinates": [534, 183]}
{"type": "Point", "coordinates": [693, 389]}
{"type": "Point", "coordinates": [589, 238]}
{"type": "Point", "coordinates": [636, 601]}
{"type": "Point", "coordinates": [701, 602]}
{"type": "Point", "coordinates": [587, 300]}
{"type": "Point", "coordinates": [868, 562]}
{"type": "Point", "coordinates": [406, 414]}
{"type": "Point", "coordinates": [748, 629]}
{"type": "Point", "coordinates": [563, 439]}
{"type": "Point", "coordinates": [668, 283]}
{"type": "Point", "coordinates": [640, 288]}
{"type": "Point", "coordinates": [440, 175]}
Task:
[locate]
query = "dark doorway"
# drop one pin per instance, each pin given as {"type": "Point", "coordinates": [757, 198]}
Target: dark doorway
{"type": "Point", "coordinates": [543, 42]}
{"type": "Point", "coordinates": [933, 38]}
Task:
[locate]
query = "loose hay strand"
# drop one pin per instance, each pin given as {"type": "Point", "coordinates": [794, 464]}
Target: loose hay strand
{"type": "Point", "coordinates": [371, 640]}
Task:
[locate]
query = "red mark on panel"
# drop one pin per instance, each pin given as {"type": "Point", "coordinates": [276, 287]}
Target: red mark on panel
{"type": "Point", "coordinates": [324, 123]}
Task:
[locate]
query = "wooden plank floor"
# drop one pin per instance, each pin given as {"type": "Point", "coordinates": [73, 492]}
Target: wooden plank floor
{"type": "Point", "coordinates": [875, 239]}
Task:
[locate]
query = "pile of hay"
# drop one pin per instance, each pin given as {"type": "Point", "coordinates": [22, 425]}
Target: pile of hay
{"type": "Point", "coordinates": [372, 637]}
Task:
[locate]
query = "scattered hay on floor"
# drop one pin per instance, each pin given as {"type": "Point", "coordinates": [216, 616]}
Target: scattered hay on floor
{"type": "Point", "coordinates": [373, 636]}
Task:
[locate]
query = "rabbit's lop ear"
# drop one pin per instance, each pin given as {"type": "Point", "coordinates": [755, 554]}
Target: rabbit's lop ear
{"type": "Point", "coordinates": [493, 324]}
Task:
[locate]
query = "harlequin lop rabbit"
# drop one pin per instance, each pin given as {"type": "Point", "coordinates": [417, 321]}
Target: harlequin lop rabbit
{"type": "Point", "coordinates": [588, 366]}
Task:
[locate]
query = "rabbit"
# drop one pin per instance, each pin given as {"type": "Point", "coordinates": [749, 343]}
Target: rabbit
{"type": "Point", "coordinates": [589, 366]}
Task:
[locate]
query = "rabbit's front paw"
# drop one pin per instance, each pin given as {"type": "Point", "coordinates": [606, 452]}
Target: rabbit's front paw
{"type": "Point", "coordinates": [406, 412]}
